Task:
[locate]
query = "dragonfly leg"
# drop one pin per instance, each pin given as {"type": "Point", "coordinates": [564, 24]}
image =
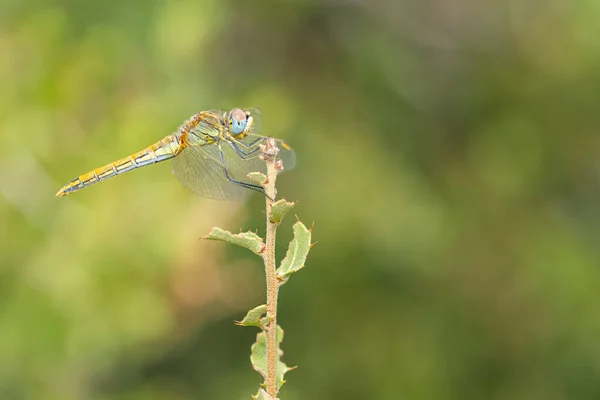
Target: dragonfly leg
{"type": "Point", "coordinates": [251, 144]}
{"type": "Point", "coordinates": [243, 154]}
{"type": "Point", "coordinates": [246, 185]}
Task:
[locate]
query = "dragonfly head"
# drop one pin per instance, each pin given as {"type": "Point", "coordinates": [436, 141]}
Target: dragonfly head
{"type": "Point", "coordinates": [239, 123]}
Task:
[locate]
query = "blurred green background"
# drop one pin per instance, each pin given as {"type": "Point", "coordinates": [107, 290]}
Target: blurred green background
{"type": "Point", "coordinates": [448, 152]}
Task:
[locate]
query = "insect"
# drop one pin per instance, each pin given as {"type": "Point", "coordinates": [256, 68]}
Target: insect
{"type": "Point", "coordinates": [212, 153]}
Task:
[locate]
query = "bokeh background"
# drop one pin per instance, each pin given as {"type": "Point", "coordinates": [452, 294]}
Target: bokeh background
{"type": "Point", "coordinates": [448, 153]}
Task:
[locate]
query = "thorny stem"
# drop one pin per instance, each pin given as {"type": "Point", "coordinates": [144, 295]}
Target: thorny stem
{"type": "Point", "coordinates": [270, 151]}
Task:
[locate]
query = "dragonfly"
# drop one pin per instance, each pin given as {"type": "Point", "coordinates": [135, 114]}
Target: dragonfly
{"type": "Point", "coordinates": [212, 153]}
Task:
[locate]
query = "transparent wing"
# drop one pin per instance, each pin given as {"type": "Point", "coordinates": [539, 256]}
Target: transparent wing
{"type": "Point", "coordinates": [257, 117]}
{"type": "Point", "coordinates": [286, 153]}
{"type": "Point", "coordinates": [199, 169]}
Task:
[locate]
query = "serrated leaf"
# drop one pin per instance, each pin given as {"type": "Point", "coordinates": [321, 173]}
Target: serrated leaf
{"type": "Point", "coordinates": [248, 240]}
{"type": "Point", "coordinates": [257, 177]}
{"type": "Point", "coordinates": [296, 253]}
{"type": "Point", "coordinates": [262, 395]}
{"type": "Point", "coordinates": [253, 317]}
{"type": "Point", "coordinates": [279, 209]}
{"type": "Point", "coordinates": [258, 357]}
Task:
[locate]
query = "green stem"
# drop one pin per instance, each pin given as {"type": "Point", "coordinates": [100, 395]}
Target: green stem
{"type": "Point", "coordinates": [273, 168]}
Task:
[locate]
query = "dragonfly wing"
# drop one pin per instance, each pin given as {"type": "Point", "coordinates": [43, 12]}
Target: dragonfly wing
{"type": "Point", "coordinates": [286, 153]}
{"type": "Point", "coordinates": [199, 169]}
{"type": "Point", "coordinates": [257, 117]}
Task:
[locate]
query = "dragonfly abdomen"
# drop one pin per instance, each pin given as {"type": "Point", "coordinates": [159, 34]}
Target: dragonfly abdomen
{"type": "Point", "coordinates": [162, 150]}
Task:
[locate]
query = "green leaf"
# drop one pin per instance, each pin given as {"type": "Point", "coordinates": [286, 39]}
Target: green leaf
{"type": "Point", "coordinates": [258, 357]}
{"type": "Point", "coordinates": [248, 240]}
{"type": "Point", "coordinates": [279, 209]}
{"type": "Point", "coordinates": [262, 395]}
{"type": "Point", "coordinates": [264, 321]}
{"type": "Point", "coordinates": [296, 253]}
{"type": "Point", "coordinates": [253, 317]}
{"type": "Point", "coordinates": [258, 177]}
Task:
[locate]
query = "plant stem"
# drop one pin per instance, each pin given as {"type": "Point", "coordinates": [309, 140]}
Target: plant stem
{"type": "Point", "coordinates": [273, 167]}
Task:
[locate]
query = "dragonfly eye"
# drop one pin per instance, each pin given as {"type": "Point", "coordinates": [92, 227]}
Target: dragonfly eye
{"type": "Point", "coordinates": [237, 121]}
